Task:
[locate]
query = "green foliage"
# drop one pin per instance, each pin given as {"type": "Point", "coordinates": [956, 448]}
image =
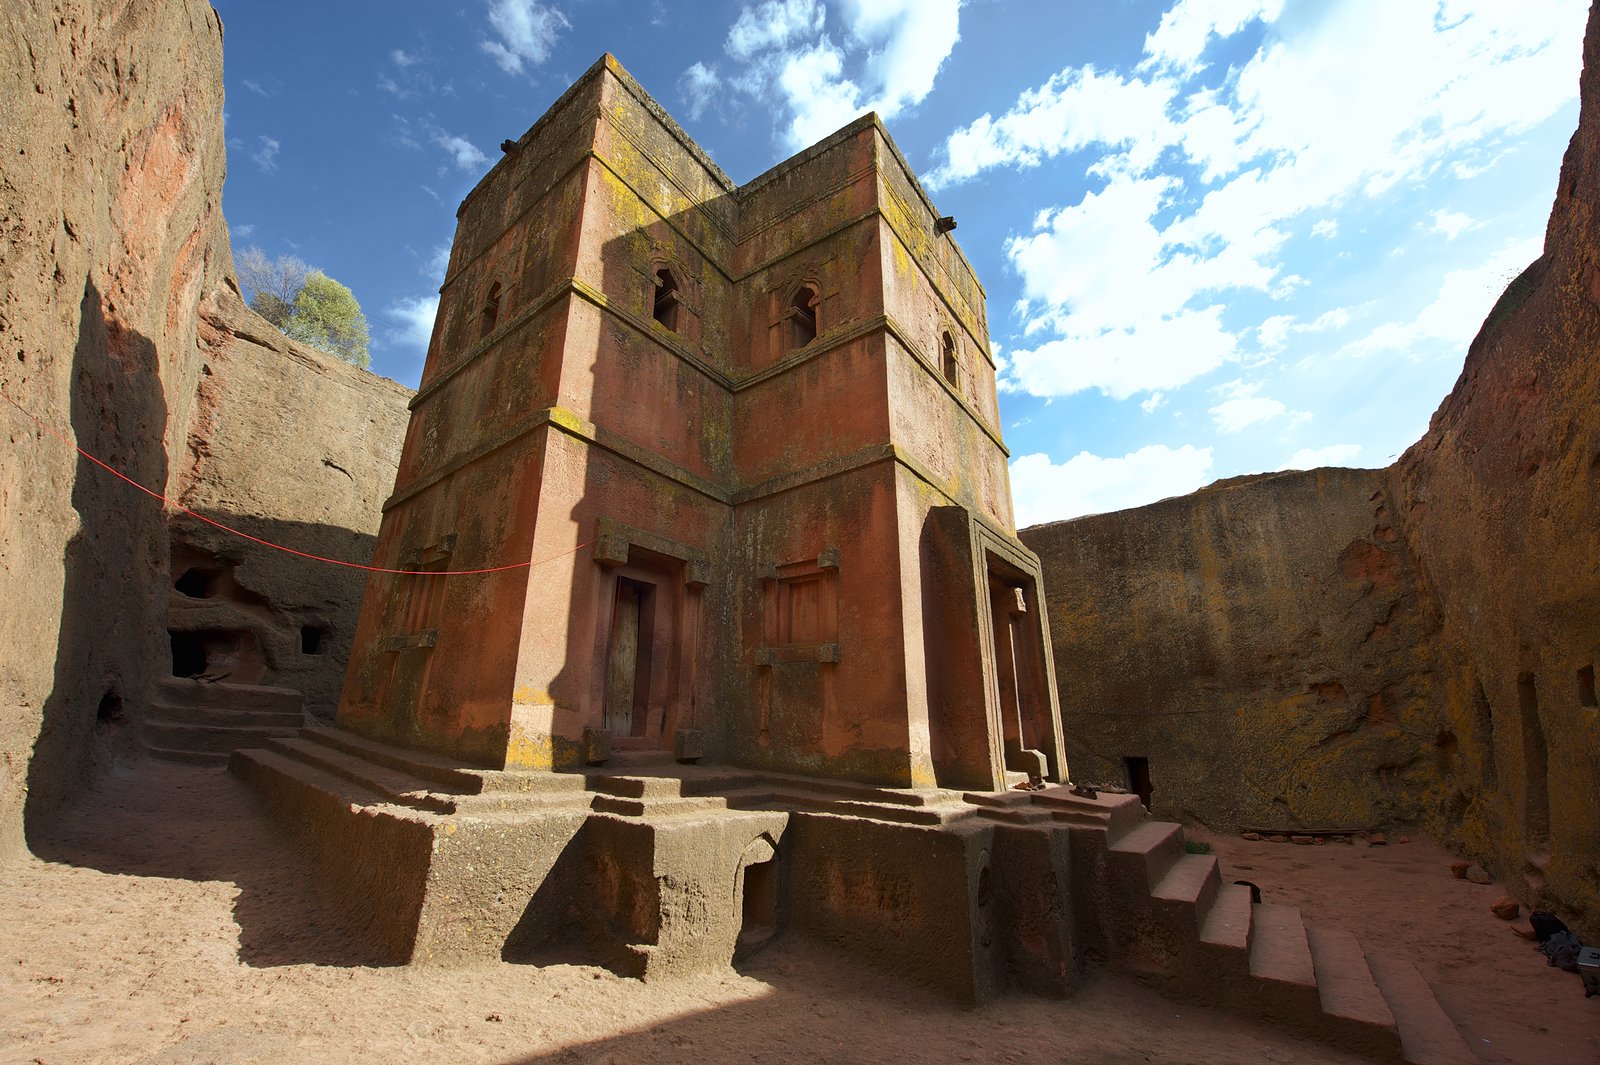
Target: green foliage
{"type": "Point", "coordinates": [1191, 846]}
{"type": "Point", "coordinates": [325, 315]}
{"type": "Point", "coordinates": [271, 308]}
{"type": "Point", "coordinates": [306, 304]}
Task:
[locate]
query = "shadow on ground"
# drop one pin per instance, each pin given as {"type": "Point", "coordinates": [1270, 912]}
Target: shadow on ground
{"type": "Point", "coordinates": [143, 817]}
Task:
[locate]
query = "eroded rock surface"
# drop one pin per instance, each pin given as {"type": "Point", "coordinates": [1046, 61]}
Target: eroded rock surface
{"type": "Point", "coordinates": [111, 239]}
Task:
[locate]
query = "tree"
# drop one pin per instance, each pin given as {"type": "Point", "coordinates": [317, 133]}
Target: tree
{"type": "Point", "coordinates": [305, 303]}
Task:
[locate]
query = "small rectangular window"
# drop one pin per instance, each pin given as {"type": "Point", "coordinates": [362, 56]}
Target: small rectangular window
{"type": "Point", "coordinates": [1586, 694]}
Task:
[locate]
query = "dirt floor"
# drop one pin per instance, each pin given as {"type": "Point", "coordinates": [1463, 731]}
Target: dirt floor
{"type": "Point", "coordinates": [166, 921]}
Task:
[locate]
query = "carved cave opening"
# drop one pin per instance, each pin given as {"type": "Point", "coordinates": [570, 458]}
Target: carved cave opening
{"type": "Point", "coordinates": [1138, 771]}
{"type": "Point", "coordinates": [218, 654]}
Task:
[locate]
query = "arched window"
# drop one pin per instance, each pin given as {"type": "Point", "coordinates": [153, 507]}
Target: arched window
{"type": "Point", "coordinates": [491, 311]}
{"type": "Point", "coordinates": [665, 307]}
{"type": "Point", "coordinates": [947, 351]}
{"type": "Point", "coordinates": [803, 317]}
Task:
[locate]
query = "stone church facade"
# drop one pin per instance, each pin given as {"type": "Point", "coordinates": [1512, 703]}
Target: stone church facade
{"type": "Point", "coordinates": [748, 439]}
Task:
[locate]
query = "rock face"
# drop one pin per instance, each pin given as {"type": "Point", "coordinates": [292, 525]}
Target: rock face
{"type": "Point", "coordinates": [111, 239]}
{"type": "Point", "coordinates": [1419, 642]}
{"type": "Point", "coordinates": [1265, 678]}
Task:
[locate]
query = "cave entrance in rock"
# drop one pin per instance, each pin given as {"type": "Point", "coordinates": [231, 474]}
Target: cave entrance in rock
{"type": "Point", "coordinates": [1138, 770]}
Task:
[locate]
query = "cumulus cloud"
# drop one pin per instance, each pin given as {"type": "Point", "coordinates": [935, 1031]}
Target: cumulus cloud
{"type": "Point", "coordinates": [265, 153]}
{"type": "Point", "coordinates": [465, 154]}
{"type": "Point", "coordinates": [1091, 484]}
{"type": "Point", "coordinates": [1071, 111]}
{"type": "Point", "coordinates": [1189, 25]}
{"type": "Point", "coordinates": [698, 86]}
{"type": "Point", "coordinates": [1452, 223]}
{"type": "Point", "coordinates": [773, 24]}
{"type": "Point", "coordinates": [527, 32]}
{"type": "Point", "coordinates": [1308, 458]}
{"type": "Point", "coordinates": [1203, 174]}
{"type": "Point", "coordinates": [415, 317]}
{"type": "Point", "coordinates": [884, 58]}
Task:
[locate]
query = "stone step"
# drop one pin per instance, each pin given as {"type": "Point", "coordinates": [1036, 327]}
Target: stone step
{"type": "Point", "coordinates": [671, 807]}
{"type": "Point", "coordinates": [393, 785]}
{"type": "Point", "coordinates": [219, 738]}
{"type": "Point", "coordinates": [206, 758]}
{"type": "Point", "coordinates": [1227, 925]}
{"type": "Point", "coordinates": [1192, 881]}
{"type": "Point", "coordinates": [636, 787]}
{"type": "Point", "coordinates": [266, 769]}
{"type": "Point", "coordinates": [1344, 982]}
{"type": "Point", "coordinates": [1119, 813]}
{"type": "Point", "coordinates": [1279, 950]}
{"type": "Point", "coordinates": [1427, 1034]}
{"type": "Point", "coordinates": [180, 714]}
{"type": "Point", "coordinates": [443, 773]}
{"type": "Point", "coordinates": [184, 691]}
{"type": "Point", "coordinates": [1153, 847]}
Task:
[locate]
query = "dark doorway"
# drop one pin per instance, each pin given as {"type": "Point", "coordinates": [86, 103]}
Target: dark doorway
{"type": "Point", "coordinates": [188, 654]}
{"type": "Point", "coordinates": [1139, 778]}
{"type": "Point", "coordinates": [760, 917]}
{"type": "Point", "coordinates": [628, 658]}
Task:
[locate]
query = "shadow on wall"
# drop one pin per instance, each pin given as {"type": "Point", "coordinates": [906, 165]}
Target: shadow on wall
{"type": "Point", "coordinates": [109, 606]}
{"type": "Point", "coordinates": [247, 613]}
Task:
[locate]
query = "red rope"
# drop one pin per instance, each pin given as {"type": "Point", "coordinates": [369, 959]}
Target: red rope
{"type": "Point", "coordinates": [268, 543]}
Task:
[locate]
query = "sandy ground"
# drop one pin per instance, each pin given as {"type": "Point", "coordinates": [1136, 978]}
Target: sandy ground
{"type": "Point", "coordinates": [167, 921]}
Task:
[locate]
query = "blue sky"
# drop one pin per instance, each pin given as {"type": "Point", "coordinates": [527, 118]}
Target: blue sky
{"type": "Point", "coordinates": [1218, 236]}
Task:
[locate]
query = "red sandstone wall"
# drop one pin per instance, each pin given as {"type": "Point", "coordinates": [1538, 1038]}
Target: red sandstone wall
{"type": "Point", "coordinates": [109, 190]}
{"type": "Point", "coordinates": [1501, 503]}
{"type": "Point", "coordinates": [123, 330]}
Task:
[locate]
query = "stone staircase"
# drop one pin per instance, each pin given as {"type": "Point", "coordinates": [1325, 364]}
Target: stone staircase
{"type": "Point", "coordinates": [202, 722]}
{"type": "Point", "coordinates": [1137, 901]}
{"type": "Point", "coordinates": [1166, 916]}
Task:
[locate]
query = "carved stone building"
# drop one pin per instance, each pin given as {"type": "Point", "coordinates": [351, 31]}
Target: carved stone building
{"type": "Point", "coordinates": [746, 436]}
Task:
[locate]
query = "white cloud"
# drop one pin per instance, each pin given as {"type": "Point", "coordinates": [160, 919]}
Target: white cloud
{"type": "Point", "coordinates": [527, 31]}
{"type": "Point", "coordinates": [1333, 455]}
{"type": "Point", "coordinates": [698, 86]}
{"type": "Point", "coordinates": [1189, 24]}
{"type": "Point", "coordinates": [1153, 401]}
{"type": "Point", "coordinates": [266, 153]}
{"type": "Point", "coordinates": [402, 58]}
{"type": "Point", "coordinates": [1161, 354]}
{"type": "Point", "coordinates": [416, 315]}
{"type": "Point", "coordinates": [438, 262]}
{"type": "Point", "coordinates": [1072, 110]}
{"type": "Point", "coordinates": [1242, 407]}
{"type": "Point", "coordinates": [1452, 223]}
{"type": "Point", "coordinates": [885, 60]}
{"type": "Point", "coordinates": [255, 87]}
{"type": "Point", "coordinates": [1089, 484]}
{"type": "Point", "coordinates": [773, 25]}
{"type": "Point", "coordinates": [1233, 415]}
{"type": "Point", "coordinates": [1241, 160]}
{"type": "Point", "coordinates": [242, 232]}
{"type": "Point", "coordinates": [1456, 313]}
{"type": "Point", "coordinates": [466, 154]}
